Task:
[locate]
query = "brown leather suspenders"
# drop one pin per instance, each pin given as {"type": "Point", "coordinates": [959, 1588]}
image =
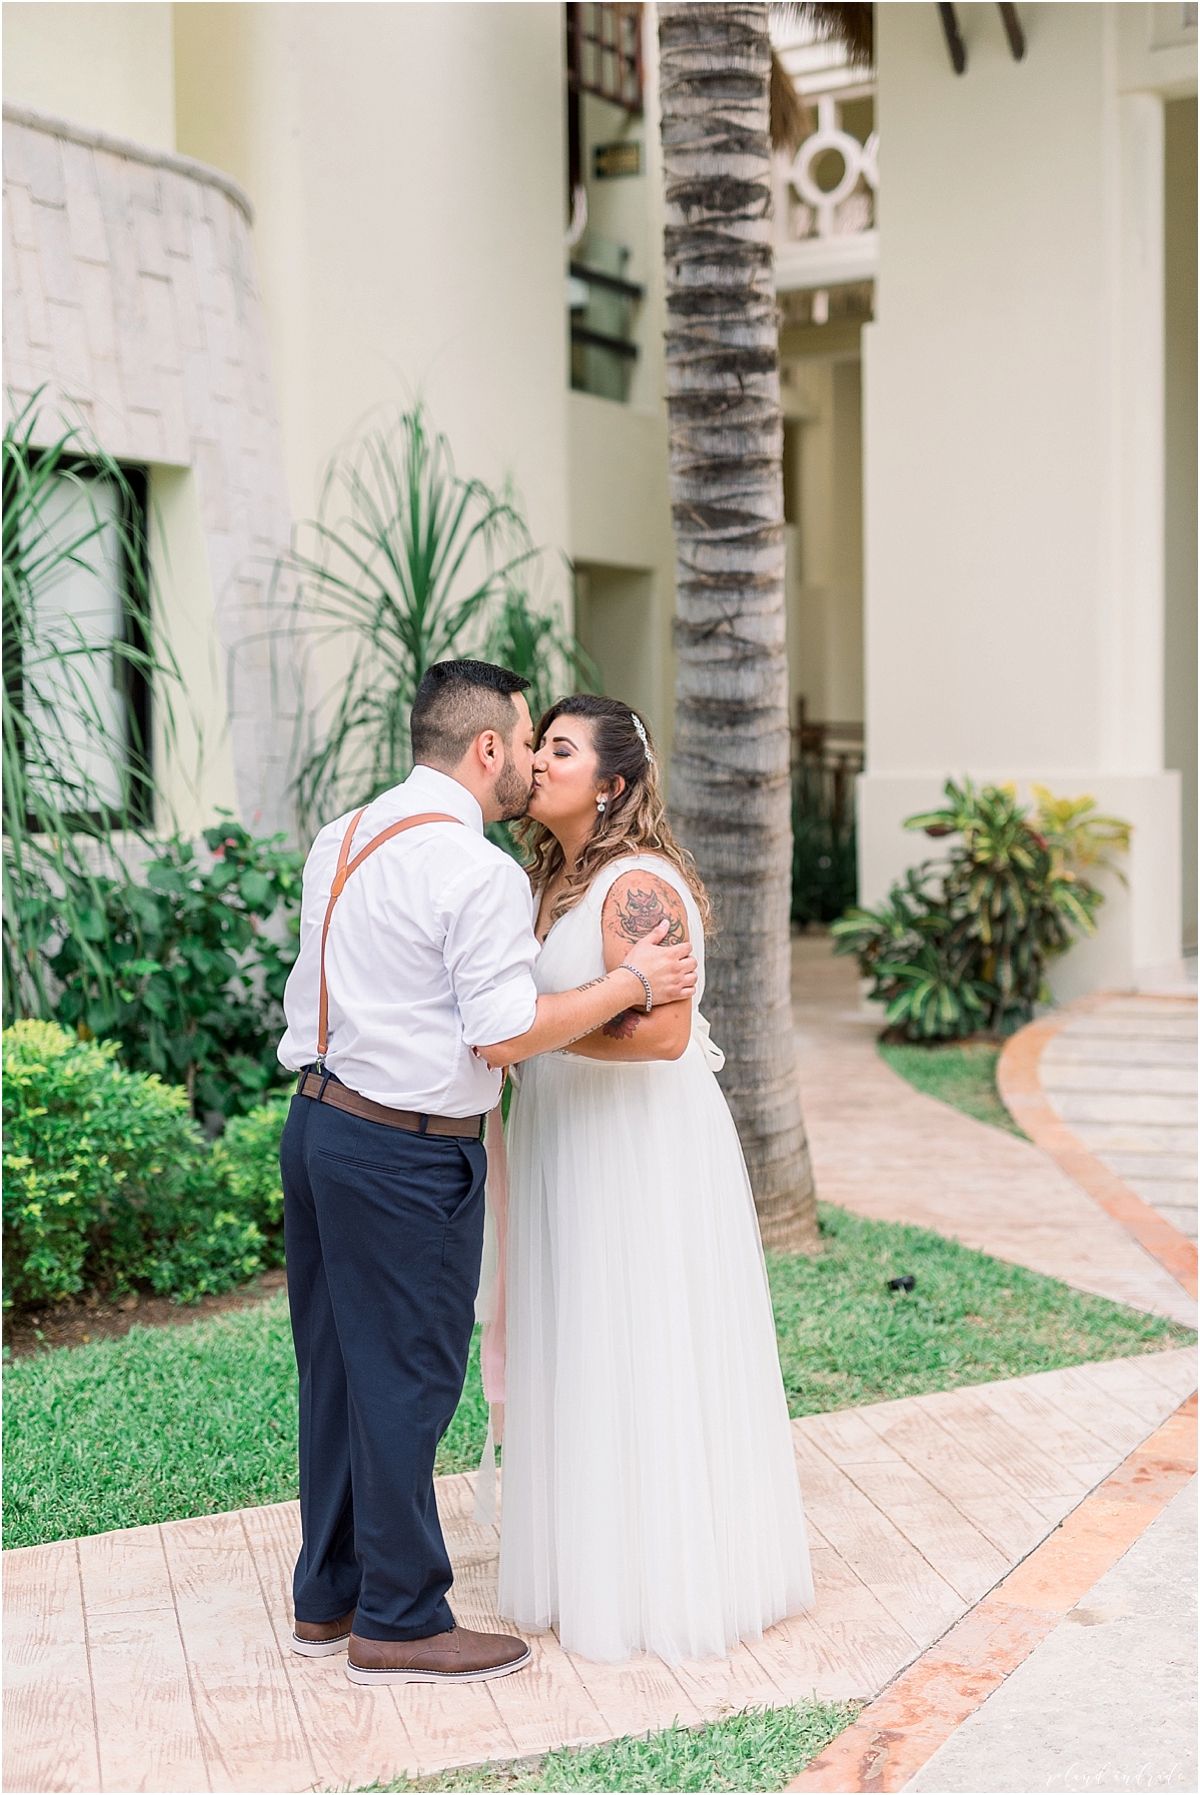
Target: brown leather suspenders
{"type": "Point", "coordinates": [346, 866]}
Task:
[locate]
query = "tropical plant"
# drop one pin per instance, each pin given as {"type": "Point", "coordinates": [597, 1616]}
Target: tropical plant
{"type": "Point", "coordinates": [965, 949]}
{"type": "Point", "coordinates": [107, 1180]}
{"type": "Point", "coordinates": [407, 563]}
{"type": "Point", "coordinates": [1076, 836]}
{"type": "Point", "coordinates": [196, 958]}
{"type": "Point", "coordinates": [730, 789]}
{"type": "Point", "coordinates": [78, 786]}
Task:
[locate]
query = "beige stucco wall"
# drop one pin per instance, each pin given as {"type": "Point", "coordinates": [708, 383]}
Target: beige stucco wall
{"type": "Point", "coordinates": [193, 742]}
{"type": "Point", "coordinates": [1180, 478]}
{"type": "Point", "coordinates": [822, 398]}
{"type": "Point", "coordinates": [406, 166]}
{"type": "Point", "coordinates": [131, 304]}
{"type": "Point", "coordinates": [117, 298]}
{"type": "Point", "coordinates": [1013, 420]}
{"type": "Point", "coordinates": [110, 65]}
{"type": "Point", "coordinates": [405, 163]}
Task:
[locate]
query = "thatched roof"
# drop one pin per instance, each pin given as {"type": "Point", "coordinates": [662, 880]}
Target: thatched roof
{"type": "Point", "coordinates": [853, 26]}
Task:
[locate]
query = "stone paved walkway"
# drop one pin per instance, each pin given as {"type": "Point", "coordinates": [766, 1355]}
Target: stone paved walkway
{"type": "Point", "coordinates": [934, 1703]}
{"type": "Point", "coordinates": [1108, 1699]}
{"type": "Point", "coordinates": [882, 1149]}
{"type": "Point", "coordinates": [156, 1659]}
{"type": "Point", "coordinates": [1123, 1077]}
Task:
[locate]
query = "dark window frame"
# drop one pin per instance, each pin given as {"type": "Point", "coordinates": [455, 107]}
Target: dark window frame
{"type": "Point", "coordinates": [133, 514]}
{"type": "Point", "coordinates": [599, 34]}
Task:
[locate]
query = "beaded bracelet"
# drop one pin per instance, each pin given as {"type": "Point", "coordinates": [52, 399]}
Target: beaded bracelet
{"type": "Point", "coordinates": [626, 967]}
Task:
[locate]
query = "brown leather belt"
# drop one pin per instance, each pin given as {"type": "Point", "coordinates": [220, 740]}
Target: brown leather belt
{"type": "Point", "coordinates": [340, 1096]}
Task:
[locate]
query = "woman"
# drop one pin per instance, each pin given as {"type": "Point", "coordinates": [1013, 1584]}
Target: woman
{"type": "Point", "coordinates": [650, 1492]}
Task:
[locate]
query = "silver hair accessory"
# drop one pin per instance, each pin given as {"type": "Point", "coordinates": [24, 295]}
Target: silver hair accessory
{"type": "Point", "coordinates": [641, 729]}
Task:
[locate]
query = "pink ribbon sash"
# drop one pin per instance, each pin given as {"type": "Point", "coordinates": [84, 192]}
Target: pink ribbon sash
{"type": "Point", "coordinates": [492, 1349]}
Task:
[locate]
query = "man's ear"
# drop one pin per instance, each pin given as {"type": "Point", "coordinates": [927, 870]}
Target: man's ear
{"type": "Point", "coordinates": [489, 750]}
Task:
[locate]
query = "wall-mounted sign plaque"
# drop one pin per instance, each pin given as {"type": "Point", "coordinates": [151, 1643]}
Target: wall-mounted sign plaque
{"type": "Point", "coordinates": [611, 160]}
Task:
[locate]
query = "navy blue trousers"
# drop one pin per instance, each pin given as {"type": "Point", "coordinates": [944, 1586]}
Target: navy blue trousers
{"type": "Point", "coordinates": [384, 1233]}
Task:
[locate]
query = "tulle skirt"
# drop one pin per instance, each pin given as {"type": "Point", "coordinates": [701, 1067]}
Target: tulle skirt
{"type": "Point", "coordinates": [650, 1492]}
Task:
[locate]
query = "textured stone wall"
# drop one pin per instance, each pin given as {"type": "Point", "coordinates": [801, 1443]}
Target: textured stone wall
{"type": "Point", "coordinates": [130, 293]}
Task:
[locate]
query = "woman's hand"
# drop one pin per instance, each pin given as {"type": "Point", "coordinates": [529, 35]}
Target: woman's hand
{"type": "Point", "coordinates": [664, 956]}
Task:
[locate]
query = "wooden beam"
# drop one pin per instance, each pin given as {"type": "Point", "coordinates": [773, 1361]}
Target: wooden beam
{"type": "Point", "coordinates": [1013, 31]}
{"type": "Point", "coordinates": [954, 43]}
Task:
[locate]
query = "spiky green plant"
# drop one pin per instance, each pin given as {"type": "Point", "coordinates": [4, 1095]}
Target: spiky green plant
{"type": "Point", "coordinates": [79, 790]}
{"type": "Point", "coordinates": [396, 572]}
{"type": "Point", "coordinates": [533, 643]}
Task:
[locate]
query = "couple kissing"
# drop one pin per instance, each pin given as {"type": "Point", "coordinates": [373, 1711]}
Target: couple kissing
{"type": "Point", "coordinates": [650, 1494]}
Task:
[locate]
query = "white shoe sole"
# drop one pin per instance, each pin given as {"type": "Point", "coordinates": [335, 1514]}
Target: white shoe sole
{"type": "Point", "coordinates": [367, 1677]}
{"type": "Point", "coordinates": [320, 1648]}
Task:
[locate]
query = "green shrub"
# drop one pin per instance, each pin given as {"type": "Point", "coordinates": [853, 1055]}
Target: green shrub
{"type": "Point", "coordinates": [965, 948]}
{"type": "Point", "coordinates": [245, 1161]}
{"type": "Point", "coordinates": [107, 1179]}
{"type": "Point", "coordinates": [192, 975]}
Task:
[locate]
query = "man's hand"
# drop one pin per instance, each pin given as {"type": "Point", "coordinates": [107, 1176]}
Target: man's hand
{"type": "Point", "coordinates": [670, 969]}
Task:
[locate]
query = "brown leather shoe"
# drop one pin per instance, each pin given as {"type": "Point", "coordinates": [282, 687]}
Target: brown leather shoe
{"type": "Point", "coordinates": [322, 1638]}
{"type": "Point", "coordinates": [458, 1656]}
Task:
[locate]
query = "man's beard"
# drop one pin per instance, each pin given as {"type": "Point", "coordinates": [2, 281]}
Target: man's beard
{"type": "Point", "coordinates": [512, 793]}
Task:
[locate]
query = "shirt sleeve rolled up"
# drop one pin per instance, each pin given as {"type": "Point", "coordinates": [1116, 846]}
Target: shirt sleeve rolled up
{"type": "Point", "coordinates": [489, 950]}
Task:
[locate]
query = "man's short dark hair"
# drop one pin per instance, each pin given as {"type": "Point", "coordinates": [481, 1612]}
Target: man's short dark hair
{"type": "Point", "coordinates": [455, 702]}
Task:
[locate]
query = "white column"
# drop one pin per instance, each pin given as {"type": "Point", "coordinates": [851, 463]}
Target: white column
{"type": "Point", "coordinates": [1131, 733]}
{"type": "Point", "coordinates": [1014, 462]}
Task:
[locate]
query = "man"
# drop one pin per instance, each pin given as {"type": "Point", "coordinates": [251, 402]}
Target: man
{"type": "Point", "coordinates": [412, 956]}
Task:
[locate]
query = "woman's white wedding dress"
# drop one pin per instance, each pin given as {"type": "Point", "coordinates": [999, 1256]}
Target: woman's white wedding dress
{"type": "Point", "coordinates": [650, 1492]}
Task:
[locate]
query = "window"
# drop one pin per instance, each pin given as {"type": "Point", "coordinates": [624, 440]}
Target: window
{"type": "Point", "coordinates": [604, 53]}
{"type": "Point", "coordinates": [602, 302]}
{"type": "Point", "coordinates": [604, 70]}
{"type": "Point", "coordinates": [76, 636]}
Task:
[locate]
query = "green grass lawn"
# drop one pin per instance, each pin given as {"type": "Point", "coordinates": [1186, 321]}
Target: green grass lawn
{"type": "Point", "coordinates": [168, 1422]}
{"type": "Point", "coordinates": [846, 1339]}
{"type": "Point", "coordinates": [762, 1749]}
{"type": "Point", "coordinates": [179, 1421]}
{"type": "Point", "coordinates": [962, 1074]}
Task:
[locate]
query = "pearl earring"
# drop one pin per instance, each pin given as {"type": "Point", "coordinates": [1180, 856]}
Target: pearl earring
{"type": "Point", "coordinates": [601, 805]}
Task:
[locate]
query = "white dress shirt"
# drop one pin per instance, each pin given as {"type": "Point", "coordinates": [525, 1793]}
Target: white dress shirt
{"type": "Point", "coordinates": [430, 953]}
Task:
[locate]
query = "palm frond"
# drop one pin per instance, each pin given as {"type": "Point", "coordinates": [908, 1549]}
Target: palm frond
{"type": "Point", "coordinates": [407, 563]}
{"type": "Point", "coordinates": [791, 119]}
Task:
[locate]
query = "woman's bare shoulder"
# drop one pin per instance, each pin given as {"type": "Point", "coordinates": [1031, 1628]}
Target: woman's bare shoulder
{"type": "Point", "coordinates": [637, 901]}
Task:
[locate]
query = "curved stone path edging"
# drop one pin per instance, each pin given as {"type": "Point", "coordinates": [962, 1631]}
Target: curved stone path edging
{"type": "Point", "coordinates": [899, 1732]}
{"type": "Point", "coordinates": [1019, 1084]}
{"type": "Point", "coordinates": [885, 1150]}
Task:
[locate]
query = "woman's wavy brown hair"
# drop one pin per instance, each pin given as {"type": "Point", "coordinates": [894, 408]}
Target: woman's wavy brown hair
{"type": "Point", "coordinates": [634, 822]}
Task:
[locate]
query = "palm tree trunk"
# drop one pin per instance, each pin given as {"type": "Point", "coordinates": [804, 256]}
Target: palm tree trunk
{"type": "Point", "coordinates": [730, 784]}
